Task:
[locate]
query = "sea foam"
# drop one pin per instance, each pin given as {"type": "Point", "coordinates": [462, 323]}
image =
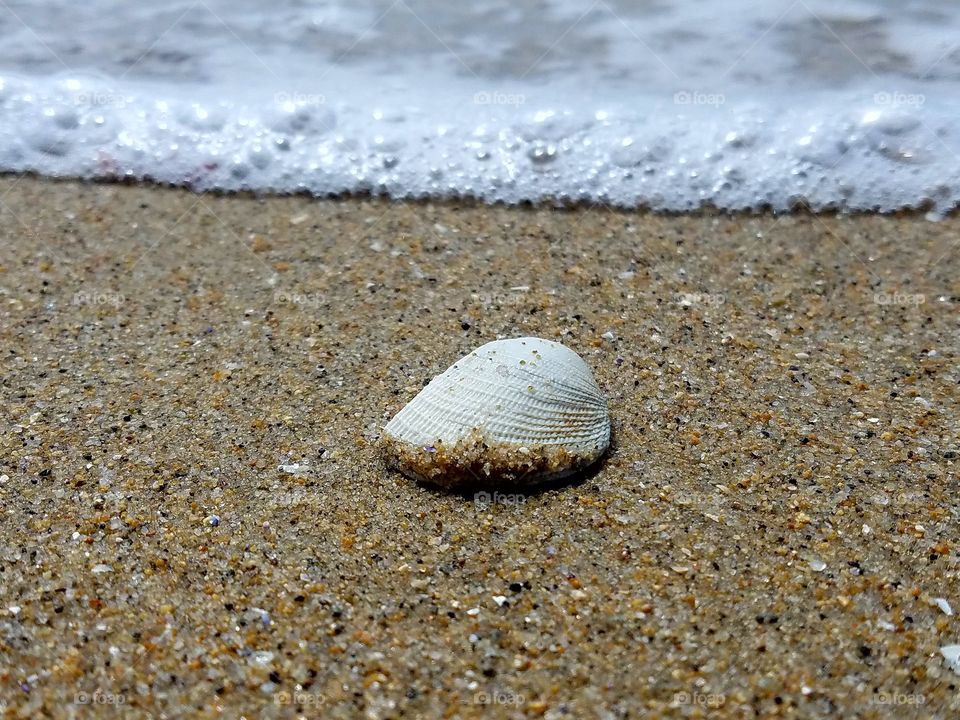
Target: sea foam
{"type": "Point", "coordinates": [671, 106]}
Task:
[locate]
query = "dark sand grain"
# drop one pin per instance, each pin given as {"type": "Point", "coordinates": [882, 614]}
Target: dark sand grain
{"type": "Point", "coordinates": [768, 536]}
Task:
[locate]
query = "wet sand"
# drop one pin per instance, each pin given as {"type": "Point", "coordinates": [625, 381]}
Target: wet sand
{"type": "Point", "coordinates": [196, 521]}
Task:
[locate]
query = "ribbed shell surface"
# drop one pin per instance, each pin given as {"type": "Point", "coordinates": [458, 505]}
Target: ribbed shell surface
{"type": "Point", "coordinates": [523, 391]}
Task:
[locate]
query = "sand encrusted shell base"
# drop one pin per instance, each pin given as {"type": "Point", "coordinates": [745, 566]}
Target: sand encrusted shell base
{"type": "Point", "coordinates": [474, 462]}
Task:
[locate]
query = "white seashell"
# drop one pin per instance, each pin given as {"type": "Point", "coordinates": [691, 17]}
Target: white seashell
{"type": "Point", "coordinates": [514, 411]}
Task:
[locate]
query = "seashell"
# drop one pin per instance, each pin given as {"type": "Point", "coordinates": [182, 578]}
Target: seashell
{"type": "Point", "coordinates": [512, 412]}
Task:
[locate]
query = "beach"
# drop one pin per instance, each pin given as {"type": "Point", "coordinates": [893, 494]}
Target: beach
{"type": "Point", "coordinates": [197, 522]}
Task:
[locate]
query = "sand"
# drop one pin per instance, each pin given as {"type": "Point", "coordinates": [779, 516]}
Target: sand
{"type": "Point", "coordinates": [196, 520]}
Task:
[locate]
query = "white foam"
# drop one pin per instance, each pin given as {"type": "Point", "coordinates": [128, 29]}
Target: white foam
{"type": "Point", "coordinates": [750, 106]}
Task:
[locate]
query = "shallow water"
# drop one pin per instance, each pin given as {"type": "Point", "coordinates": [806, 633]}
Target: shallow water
{"type": "Point", "coordinates": [663, 104]}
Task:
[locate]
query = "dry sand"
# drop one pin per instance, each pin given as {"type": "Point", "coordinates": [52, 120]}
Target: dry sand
{"type": "Point", "coordinates": [768, 537]}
